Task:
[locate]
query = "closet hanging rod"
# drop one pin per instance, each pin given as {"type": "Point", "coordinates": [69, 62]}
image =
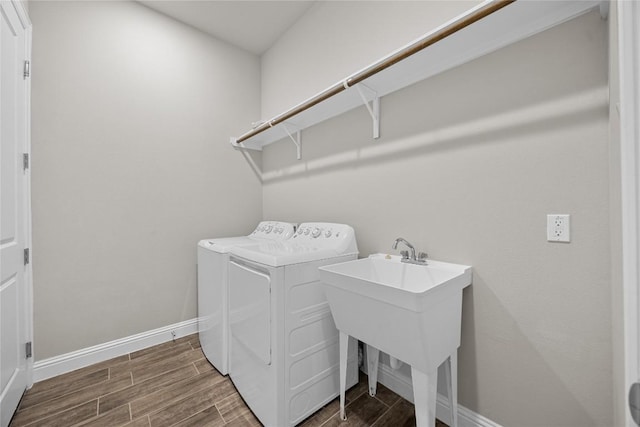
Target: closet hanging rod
{"type": "Point", "coordinates": [381, 65]}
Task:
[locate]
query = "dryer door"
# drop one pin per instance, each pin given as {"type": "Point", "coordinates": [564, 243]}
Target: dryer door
{"type": "Point", "coordinates": [250, 309]}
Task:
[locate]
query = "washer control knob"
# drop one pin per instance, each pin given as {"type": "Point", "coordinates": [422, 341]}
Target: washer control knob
{"type": "Point", "coordinates": [316, 233]}
{"type": "Point", "coordinates": [268, 228]}
{"type": "Point", "coordinates": [299, 231]}
{"type": "Point", "coordinates": [327, 233]}
{"type": "Point", "coordinates": [306, 231]}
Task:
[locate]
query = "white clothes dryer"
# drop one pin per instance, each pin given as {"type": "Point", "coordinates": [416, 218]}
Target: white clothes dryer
{"type": "Point", "coordinates": [284, 347]}
{"type": "Point", "coordinates": [213, 308]}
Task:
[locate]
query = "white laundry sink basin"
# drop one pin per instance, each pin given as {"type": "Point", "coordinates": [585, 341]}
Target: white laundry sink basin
{"type": "Point", "coordinates": [412, 312]}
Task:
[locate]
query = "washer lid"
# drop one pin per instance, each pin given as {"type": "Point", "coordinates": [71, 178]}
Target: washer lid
{"type": "Point", "coordinates": [223, 245]}
{"type": "Point", "coordinates": [277, 254]}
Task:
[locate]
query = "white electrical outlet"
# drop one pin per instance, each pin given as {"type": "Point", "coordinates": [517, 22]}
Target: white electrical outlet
{"type": "Point", "coordinates": [558, 228]}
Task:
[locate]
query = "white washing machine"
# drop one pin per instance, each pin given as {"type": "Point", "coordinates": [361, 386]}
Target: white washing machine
{"type": "Point", "coordinates": [213, 308]}
{"type": "Point", "coordinates": [284, 348]}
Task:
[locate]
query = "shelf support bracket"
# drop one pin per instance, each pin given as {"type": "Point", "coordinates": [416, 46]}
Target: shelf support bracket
{"type": "Point", "coordinates": [604, 10]}
{"type": "Point", "coordinates": [374, 108]}
{"type": "Point", "coordinates": [296, 139]}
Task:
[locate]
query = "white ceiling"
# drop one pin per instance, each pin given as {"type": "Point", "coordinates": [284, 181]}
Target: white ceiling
{"type": "Point", "coordinates": [251, 25]}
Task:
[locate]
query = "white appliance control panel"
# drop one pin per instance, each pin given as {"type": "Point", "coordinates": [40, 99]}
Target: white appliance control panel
{"type": "Point", "coordinates": [274, 230]}
{"type": "Point", "coordinates": [326, 235]}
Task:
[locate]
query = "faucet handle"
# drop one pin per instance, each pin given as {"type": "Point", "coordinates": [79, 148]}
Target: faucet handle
{"type": "Point", "coordinates": [405, 254]}
{"type": "Point", "coordinates": [422, 256]}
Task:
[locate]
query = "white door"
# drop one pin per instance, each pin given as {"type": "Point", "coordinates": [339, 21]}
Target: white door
{"type": "Point", "coordinates": [14, 207]}
{"type": "Point", "coordinates": [628, 67]}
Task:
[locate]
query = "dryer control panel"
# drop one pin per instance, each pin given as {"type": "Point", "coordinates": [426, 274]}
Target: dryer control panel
{"type": "Point", "coordinates": [274, 230]}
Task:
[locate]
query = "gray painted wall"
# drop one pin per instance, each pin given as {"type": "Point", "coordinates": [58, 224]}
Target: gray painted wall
{"type": "Point", "coordinates": [131, 167]}
{"type": "Point", "coordinates": [337, 38]}
{"type": "Point", "coordinates": [467, 168]}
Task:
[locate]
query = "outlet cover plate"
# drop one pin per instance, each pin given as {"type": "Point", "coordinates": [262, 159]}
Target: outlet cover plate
{"type": "Point", "coordinates": [558, 228]}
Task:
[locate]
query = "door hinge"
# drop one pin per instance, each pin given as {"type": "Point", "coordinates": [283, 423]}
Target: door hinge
{"type": "Point", "coordinates": [26, 256]}
{"type": "Point", "coordinates": [25, 161]}
{"type": "Point", "coordinates": [27, 68]}
{"type": "Point", "coordinates": [28, 349]}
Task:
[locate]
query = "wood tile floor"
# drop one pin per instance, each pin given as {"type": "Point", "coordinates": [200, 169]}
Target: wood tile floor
{"type": "Point", "coordinates": [172, 384]}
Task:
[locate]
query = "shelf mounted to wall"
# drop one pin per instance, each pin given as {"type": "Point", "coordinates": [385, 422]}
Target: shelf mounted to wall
{"type": "Point", "coordinates": [373, 109]}
{"type": "Point", "coordinates": [481, 30]}
{"type": "Point", "coordinates": [296, 139]}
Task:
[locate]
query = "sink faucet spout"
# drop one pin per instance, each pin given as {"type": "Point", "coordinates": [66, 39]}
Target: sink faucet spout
{"type": "Point", "coordinates": [410, 257]}
{"type": "Point", "coordinates": [407, 244]}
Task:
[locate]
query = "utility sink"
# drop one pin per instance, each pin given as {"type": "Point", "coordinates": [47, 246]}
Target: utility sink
{"type": "Point", "coordinates": [412, 312]}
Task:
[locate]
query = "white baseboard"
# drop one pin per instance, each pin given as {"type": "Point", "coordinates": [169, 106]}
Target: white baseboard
{"type": "Point", "coordinates": [68, 362]}
{"type": "Point", "coordinates": [402, 385]}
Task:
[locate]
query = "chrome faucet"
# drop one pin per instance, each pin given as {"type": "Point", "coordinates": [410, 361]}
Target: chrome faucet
{"type": "Point", "coordinates": [410, 257]}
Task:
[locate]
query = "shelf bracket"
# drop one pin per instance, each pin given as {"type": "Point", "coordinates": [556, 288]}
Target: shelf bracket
{"type": "Point", "coordinates": [374, 108]}
{"type": "Point", "coordinates": [604, 10]}
{"type": "Point", "coordinates": [296, 139]}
